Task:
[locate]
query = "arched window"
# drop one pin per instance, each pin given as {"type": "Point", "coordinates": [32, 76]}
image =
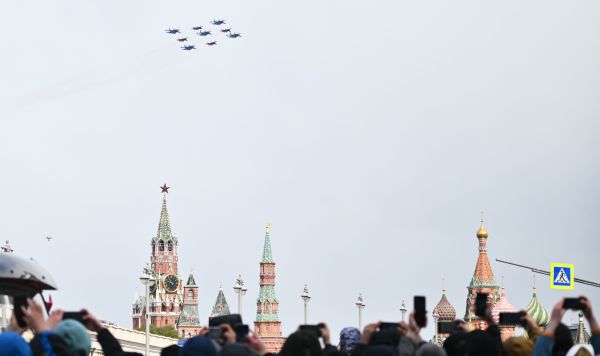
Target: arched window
{"type": "Point", "coordinates": [191, 294]}
{"type": "Point", "coordinates": [170, 245]}
{"type": "Point", "coordinates": [161, 246]}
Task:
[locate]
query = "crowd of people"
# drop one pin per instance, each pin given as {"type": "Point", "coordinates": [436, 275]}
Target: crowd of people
{"type": "Point", "coordinates": [58, 335]}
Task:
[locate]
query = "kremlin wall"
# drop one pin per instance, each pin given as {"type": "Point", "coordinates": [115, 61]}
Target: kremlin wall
{"type": "Point", "coordinates": [175, 303]}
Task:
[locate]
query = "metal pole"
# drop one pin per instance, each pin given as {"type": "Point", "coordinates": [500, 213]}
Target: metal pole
{"type": "Point", "coordinates": [147, 322]}
{"type": "Point", "coordinates": [305, 311]}
{"type": "Point", "coordinates": [240, 302]}
{"type": "Point", "coordinates": [359, 318]}
{"type": "Point", "coordinates": [546, 273]}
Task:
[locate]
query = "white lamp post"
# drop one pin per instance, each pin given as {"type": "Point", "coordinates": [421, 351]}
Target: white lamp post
{"type": "Point", "coordinates": [360, 304]}
{"type": "Point", "coordinates": [147, 281]}
{"type": "Point", "coordinates": [306, 298]}
{"type": "Point", "coordinates": [403, 310]}
{"type": "Point", "coordinates": [240, 289]}
{"type": "Point", "coordinates": [436, 318]}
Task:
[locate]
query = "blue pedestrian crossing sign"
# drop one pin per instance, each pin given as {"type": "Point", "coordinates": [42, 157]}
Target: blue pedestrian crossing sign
{"type": "Point", "coordinates": [562, 276]}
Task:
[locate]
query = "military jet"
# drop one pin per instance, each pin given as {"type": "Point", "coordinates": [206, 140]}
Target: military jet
{"type": "Point", "coordinates": [203, 33]}
{"type": "Point", "coordinates": [196, 28]}
{"type": "Point", "coordinates": [218, 22]}
{"type": "Point", "coordinates": [226, 30]}
{"type": "Point", "coordinates": [47, 238]}
{"type": "Point", "coordinates": [172, 31]}
{"type": "Point", "coordinates": [211, 43]}
{"type": "Point", "coordinates": [188, 48]}
{"type": "Point", "coordinates": [234, 35]}
{"type": "Point", "coordinates": [182, 39]}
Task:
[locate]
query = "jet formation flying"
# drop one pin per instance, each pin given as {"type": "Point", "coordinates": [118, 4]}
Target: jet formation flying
{"type": "Point", "coordinates": [203, 32]}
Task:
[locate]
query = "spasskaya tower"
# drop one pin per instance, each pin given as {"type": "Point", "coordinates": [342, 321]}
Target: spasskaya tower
{"type": "Point", "coordinates": [166, 298]}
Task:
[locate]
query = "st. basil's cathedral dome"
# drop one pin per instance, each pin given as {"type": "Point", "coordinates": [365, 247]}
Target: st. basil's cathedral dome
{"type": "Point", "coordinates": [444, 309]}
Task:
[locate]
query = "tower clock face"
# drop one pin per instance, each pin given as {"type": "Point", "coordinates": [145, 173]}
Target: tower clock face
{"type": "Point", "coordinates": [171, 283]}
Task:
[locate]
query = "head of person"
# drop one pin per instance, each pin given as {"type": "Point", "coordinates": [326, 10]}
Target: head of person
{"type": "Point", "coordinates": [456, 344]}
{"type": "Point", "coordinates": [562, 340]}
{"type": "Point", "coordinates": [581, 350]}
{"type": "Point", "coordinates": [301, 343]}
{"type": "Point", "coordinates": [236, 350]}
{"type": "Point", "coordinates": [349, 338]}
{"type": "Point", "coordinates": [198, 346]}
{"type": "Point", "coordinates": [172, 350]}
{"type": "Point", "coordinates": [430, 350]}
{"type": "Point", "coordinates": [380, 350]}
{"type": "Point", "coordinates": [518, 346]}
{"type": "Point", "coordinates": [388, 337]}
{"type": "Point", "coordinates": [76, 337]}
{"type": "Point", "coordinates": [12, 344]}
{"type": "Point", "coordinates": [481, 343]}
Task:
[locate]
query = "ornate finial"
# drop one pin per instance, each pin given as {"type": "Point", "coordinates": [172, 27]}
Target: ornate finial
{"type": "Point", "coordinates": [443, 284]}
{"type": "Point", "coordinates": [502, 283]}
{"type": "Point", "coordinates": [482, 232]}
{"type": "Point", "coordinates": [268, 226]}
{"type": "Point", "coordinates": [164, 188]}
{"type": "Point", "coordinates": [534, 283]}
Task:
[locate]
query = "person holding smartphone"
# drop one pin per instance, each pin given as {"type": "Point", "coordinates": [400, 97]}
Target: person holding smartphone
{"type": "Point", "coordinates": [545, 342]}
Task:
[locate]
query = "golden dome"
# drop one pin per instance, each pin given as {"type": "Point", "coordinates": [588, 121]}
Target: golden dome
{"type": "Point", "coordinates": [482, 232]}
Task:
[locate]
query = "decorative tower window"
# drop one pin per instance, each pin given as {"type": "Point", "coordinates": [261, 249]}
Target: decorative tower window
{"type": "Point", "coordinates": [161, 246]}
{"type": "Point", "coordinates": [170, 245]}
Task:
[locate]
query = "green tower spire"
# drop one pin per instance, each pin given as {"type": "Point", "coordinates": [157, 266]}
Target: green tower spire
{"type": "Point", "coordinates": [164, 225]}
{"type": "Point", "coordinates": [267, 253]}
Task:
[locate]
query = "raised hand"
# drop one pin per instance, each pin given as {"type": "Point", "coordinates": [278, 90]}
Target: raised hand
{"type": "Point", "coordinates": [91, 322]}
{"type": "Point", "coordinates": [587, 311]}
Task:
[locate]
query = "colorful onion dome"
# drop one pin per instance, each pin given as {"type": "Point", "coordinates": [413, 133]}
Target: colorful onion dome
{"type": "Point", "coordinates": [537, 311]}
{"type": "Point", "coordinates": [444, 309]}
{"type": "Point", "coordinates": [502, 306]}
{"type": "Point", "coordinates": [482, 232]}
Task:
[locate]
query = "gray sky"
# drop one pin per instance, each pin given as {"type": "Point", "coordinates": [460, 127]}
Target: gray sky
{"type": "Point", "coordinates": [370, 133]}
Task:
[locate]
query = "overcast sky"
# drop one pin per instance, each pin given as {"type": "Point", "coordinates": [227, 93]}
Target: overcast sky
{"type": "Point", "coordinates": [370, 133]}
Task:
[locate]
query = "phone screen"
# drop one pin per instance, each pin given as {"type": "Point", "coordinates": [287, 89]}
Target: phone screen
{"type": "Point", "coordinates": [19, 302]}
{"type": "Point", "coordinates": [510, 318]}
{"type": "Point", "coordinates": [446, 327]}
{"type": "Point", "coordinates": [481, 304]}
{"type": "Point", "coordinates": [573, 304]}
{"type": "Point", "coordinates": [74, 316]}
{"type": "Point", "coordinates": [420, 312]}
{"type": "Point", "coordinates": [385, 326]}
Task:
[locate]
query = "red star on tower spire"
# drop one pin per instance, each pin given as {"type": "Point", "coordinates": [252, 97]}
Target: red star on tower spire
{"type": "Point", "coordinates": [164, 188]}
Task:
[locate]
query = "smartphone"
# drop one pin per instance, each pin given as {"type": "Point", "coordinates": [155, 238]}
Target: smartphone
{"type": "Point", "coordinates": [315, 329]}
{"type": "Point", "coordinates": [481, 304]}
{"type": "Point", "coordinates": [74, 316]}
{"type": "Point", "coordinates": [420, 312]}
{"type": "Point", "coordinates": [231, 319]}
{"type": "Point", "coordinates": [19, 302]}
{"type": "Point", "coordinates": [573, 304]}
{"type": "Point", "coordinates": [445, 327]}
{"type": "Point", "coordinates": [241, 333]}
{"type": "Point", "coordinates": [215, 333]}
{"type": "Point", "coordinates": [386, 326]}
{"type": "Point", "coordinates": [511, 318]}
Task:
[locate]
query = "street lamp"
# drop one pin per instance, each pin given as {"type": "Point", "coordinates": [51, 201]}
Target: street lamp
{"type": "Point", "coordinates": [436, 318]}
{"type": "Point", "coordinates": [147, 281]}
{"type": "Point", "coordinates": [360, 304]}
{"type": "Point", "coordinates": [306, 298]}
{"type": "Point", "coordinates": [240, 289]}
{"type": "Point", "coordinates": [403, 310]}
